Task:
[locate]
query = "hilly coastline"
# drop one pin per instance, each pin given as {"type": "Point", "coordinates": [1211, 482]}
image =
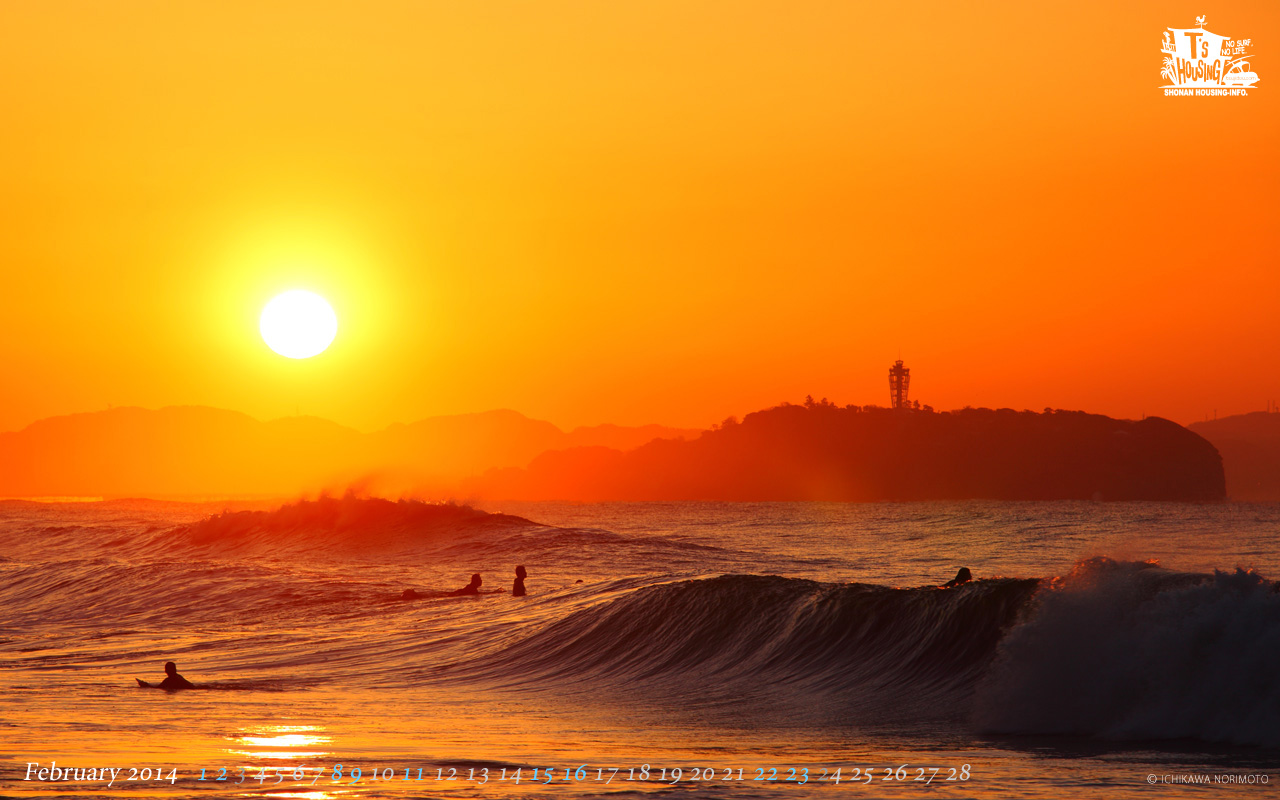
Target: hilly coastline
{"type": "Point", "coordinates": [820, 451]}
{"type": "Point", "coordinates": [1250, 448]}
{"type": "Point", "coordinates": [196, 451]}
{"type": "Point", "coordinates": [815, 451]}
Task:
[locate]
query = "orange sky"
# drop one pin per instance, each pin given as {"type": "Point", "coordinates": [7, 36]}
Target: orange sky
{"type": "Point", "coordinates": [633, 212]}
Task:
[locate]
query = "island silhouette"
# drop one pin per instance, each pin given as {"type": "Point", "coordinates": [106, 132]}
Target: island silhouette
{"type": "Point", "coordinates": [821, 451]}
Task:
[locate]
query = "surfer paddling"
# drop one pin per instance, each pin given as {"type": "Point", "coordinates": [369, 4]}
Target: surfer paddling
{"type": "Point", "coordinates": [172, 682]}
{"type": "Point", "coordinates": [470, 589]}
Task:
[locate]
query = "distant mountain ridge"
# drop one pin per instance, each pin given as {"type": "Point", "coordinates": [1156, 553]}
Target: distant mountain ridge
{"type": "Point", "coordinates": [821, 451]}
{"type": "Point", "coordinates": [202, 451]}
{"type": "Point", "coordinates": [818, 451]}
{"type": "Point", "coordinates": [1250, 447]}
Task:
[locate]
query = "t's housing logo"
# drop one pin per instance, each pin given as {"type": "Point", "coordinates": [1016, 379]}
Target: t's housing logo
{"type": "Point", "coordinates": [1198, 63]}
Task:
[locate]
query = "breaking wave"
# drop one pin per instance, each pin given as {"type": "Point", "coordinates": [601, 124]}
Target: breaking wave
{"type": "Point", "coordinates": [345, 523]}
{"type": "Point", "coordinates": [867, 648]}
{"type": "Point", "coordinates": [1126, 650]}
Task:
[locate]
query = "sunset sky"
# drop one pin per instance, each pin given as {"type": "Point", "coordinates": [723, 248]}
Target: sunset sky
{"type": "Point", "coordinates": [633, 211]}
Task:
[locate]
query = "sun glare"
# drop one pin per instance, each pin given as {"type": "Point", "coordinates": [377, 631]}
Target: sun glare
{"type": "Point", "coordinates": [298, 324]}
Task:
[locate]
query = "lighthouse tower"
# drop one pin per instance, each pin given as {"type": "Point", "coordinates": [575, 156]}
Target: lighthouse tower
{"type": "Point", "coordinates": [899, 383]}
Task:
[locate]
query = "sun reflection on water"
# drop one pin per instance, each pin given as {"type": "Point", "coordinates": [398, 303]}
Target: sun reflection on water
{"type": "Point", "coordinates": [281, 742]}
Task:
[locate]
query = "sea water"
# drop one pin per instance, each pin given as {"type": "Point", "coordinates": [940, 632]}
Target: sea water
{"type": "Point", "coordinates": [710, 649]}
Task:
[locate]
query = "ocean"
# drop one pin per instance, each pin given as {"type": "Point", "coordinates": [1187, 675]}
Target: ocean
{"type": "Point", "coordinates": [735, 650]}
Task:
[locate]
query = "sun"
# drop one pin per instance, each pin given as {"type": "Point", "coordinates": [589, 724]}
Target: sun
{"type": "Point", "coordinates": [298, 324]}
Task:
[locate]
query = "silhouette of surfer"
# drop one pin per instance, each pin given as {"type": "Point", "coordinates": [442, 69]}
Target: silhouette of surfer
{"type": "Point", "coordinates": [172, 682]}
{"type": "Point", "coordinates": [469, 589]}
{"type": "Point", "coordinates": [963, 576]}
{"type": "Point", "coordinates": [472, 588]}
{"type": "Point", "coordinates": [517, 588]}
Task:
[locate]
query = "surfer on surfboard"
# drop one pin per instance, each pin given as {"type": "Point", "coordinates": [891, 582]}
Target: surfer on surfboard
{"type": "Point", "coordinates": [172, 682]}
{"type": "Point", "coordinates": [470, 588]}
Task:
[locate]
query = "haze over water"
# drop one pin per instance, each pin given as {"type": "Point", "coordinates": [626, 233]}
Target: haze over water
{"type": "Point", "coordinates": [752, 636]}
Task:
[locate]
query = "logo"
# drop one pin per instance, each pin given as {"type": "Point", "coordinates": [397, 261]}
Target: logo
{"type": "Point", "coordinates": [1198, 63]}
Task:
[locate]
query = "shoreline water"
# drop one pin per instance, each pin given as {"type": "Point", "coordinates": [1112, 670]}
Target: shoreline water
{"type": "Point", "coordinates": [753, 635]}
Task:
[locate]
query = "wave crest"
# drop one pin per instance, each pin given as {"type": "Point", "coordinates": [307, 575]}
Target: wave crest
{"type": "Point", "coordinates": [346, 522]}
{"type": "Point", "coordinates": [1127, 650]}
{"type": "Point", "coordinates": [912, 651]}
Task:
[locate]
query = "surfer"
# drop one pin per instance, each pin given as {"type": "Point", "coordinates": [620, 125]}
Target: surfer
{"type": "Point", "coordinates": [517, 588]}
{"type": "Point", "coordinates": [172, 682]}
{"type": "Point", "coordinates": [469, 589]}
{"type": "Point", "coordinates": [963, 576]}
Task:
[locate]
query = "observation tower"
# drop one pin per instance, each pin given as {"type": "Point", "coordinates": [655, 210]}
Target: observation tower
{"type": "Point", "coordinates": [899, 383]}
